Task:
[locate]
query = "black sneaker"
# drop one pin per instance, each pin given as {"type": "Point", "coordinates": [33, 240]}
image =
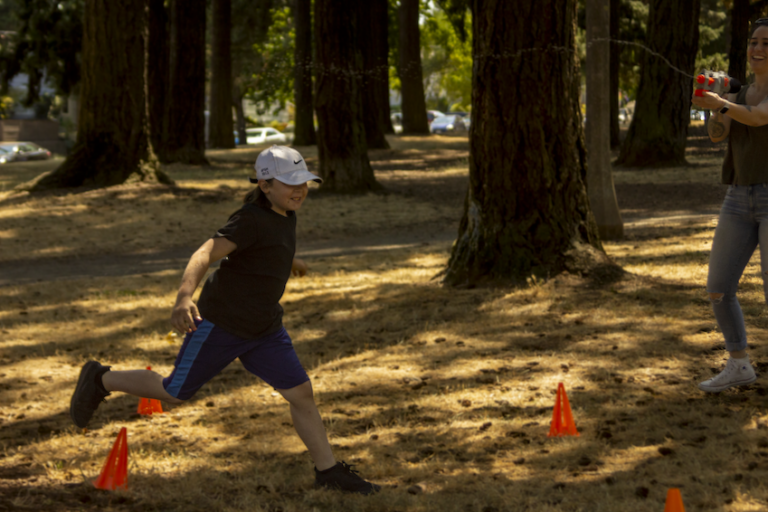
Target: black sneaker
{"type": "Point", "coordinates": [88, 394]}
{"type": "Point", "coordinates": [343, 478]}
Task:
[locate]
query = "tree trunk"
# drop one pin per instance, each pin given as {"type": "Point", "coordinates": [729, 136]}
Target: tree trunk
{"type": "Point", "coordinates": [602, 194]}
{"type": "Point", "coordinates": [413, 105]}
{"type": "Point", "coordinates": [375, 49]}
{"type": "Point", "coordinates": [659, 128]}
{"type": "Point", "coordinates": [304, 120]}
{"type": "Point", "coordinates": [237, 103]}
{"type": "Point", "coordinates": [343, 154]}
{"type": "Point", "coordinates": [184, 122]}
{"type": "Point", "coordinates": [158, 68]}
{"type": "Point", "coordinates": [737, 53]}
{"type": "Point", "coordinates": [526, 212]}
{"type": "Point", "coordinates": [113, 144]}
{"type": "Point", "coordinates": [220, 133]}
{"type": "Point", "coordinates": [615, 62]}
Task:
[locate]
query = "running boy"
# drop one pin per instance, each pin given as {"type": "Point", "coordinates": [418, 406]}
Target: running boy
{"type": "Point", "coordinates": [239, 316]}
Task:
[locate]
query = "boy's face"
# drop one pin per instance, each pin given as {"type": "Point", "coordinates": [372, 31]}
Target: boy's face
{"type": "Point", "coordinates": [284, 198]}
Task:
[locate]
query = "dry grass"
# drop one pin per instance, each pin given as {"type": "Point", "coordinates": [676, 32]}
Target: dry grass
{"type": "Point", "coordinates": [443, 396]}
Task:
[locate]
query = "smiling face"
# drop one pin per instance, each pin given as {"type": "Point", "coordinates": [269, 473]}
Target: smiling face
{"type": "Point", "coordinates": [757, 50]}
{"type": "Point", "coordinates": [284, 198]}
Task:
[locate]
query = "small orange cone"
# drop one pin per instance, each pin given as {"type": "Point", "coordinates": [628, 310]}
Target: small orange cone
{"type": "Point", "coordinates": [114, 475]}
{"type": "Point", "coordinates": [562, 417]}
{"type": "Point", "coordinates": [149, 406]}
{"type": "Point", "coordinates": [674, 501]}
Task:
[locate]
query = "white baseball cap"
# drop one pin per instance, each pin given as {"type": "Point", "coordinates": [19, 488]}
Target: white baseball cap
{"type": "Point", "coordinates": [283, 164]}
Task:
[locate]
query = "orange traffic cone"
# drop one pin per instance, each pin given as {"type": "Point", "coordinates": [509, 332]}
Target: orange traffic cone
{"type": "Point", "coordinates": [674, 501]}
{"type": "Point", "coordinates": [149, 406]}
{"type": "Point", "coordinates": [562, 417]}
{"type": "Point", "coordinates": [114, 475]}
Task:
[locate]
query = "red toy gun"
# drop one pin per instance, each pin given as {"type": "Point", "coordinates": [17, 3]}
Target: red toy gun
{"type": "Point", "coordinates": [716, 82]}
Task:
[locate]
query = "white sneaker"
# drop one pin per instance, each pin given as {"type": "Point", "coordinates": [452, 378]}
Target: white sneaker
{"type": "Point", "coordinates": [737, 372]}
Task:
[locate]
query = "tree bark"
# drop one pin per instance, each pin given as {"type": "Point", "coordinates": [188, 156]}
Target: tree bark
{"type": "Point", "coordinates": [343, 154]}
{"type": "Point", "coordinates": [737, 52]}
{"type": "Point", "coordinates": [526, 212]}
{"type": "Point", "coordinates": [414, 106]}
{"type": "Point", "coordinates": [659, 128]}
{"type": "Point", "coordinates": [615, 62]}
{"type": "Point", "coordinates": [220, 132]}
{"type": "Point", "coordinates": [113, 144]}
{"type": "Point", "coordinates": [375, 50]}
{"type": "Point", "coordinates": [237, 102]}
{"type": "Point", "coordinates": [602, 194]}
{"type": "Point", "coordinates": [158, 68]}
{"type": "Point", "coordinates": [304, 121]}
{"type": "Point", "coordinates": [184, 121]}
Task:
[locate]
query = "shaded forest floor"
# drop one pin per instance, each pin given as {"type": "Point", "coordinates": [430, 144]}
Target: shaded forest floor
{"type": "Point", "coordinates": [442, 396]}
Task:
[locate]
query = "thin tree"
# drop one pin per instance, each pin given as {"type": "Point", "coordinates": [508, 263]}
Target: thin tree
{"type": "Point", "coordinates": [659, 128]}
{"type": "Point", "coordinates": [409, 70]}
{"type": "Point", "coordinates": [602, 194]}
{"type": "Point", "coordinates": [220, 127]}
{"type": "Point", "coordinates": [615, 62]}
{"type": "Point", "coordinates": [304, 119]}
{"type": "Point", "coordinates": [341, 146]}
{"type": "Point", "coordinates": [184, 120]}
{"type": "Point", "coordinates": [113, 144]}
{"type": "Point", "coordinates": [158, 73]}
{"type": "Point", "coordinates": [526, 211]}
{"type": "Point", "coordinates": [375, 48]}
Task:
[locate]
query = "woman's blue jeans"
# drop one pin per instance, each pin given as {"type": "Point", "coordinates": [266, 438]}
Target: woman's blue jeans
{"type": "Point", "coordinates": [743, 225]}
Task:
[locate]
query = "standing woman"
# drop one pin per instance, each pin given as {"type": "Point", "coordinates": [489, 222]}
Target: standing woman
{"type": "Point", "coordinates": [743, 223]}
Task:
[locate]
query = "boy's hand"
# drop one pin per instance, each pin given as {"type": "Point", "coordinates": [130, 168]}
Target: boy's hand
{"type": "Point", "coordinates": [298, 267]}
{"type": "Point", "coordinates": [184, 315]}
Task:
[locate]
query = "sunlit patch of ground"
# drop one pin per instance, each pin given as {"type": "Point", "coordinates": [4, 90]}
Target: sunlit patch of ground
{"type": "Point", "coordinates": [443, 396]}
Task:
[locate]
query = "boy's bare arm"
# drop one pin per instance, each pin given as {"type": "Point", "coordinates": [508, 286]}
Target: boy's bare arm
{"type": "Point", "coordinates": [185, 311]}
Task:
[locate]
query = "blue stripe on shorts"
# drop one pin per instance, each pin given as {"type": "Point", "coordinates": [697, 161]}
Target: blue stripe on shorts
{"type": "Point", "coordinates": [183, 367]}
{"type": "Point", "coordinates": [208, 350]}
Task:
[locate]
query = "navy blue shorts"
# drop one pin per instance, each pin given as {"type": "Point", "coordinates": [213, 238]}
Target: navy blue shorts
{"type": "Point", "coordinates": [208, 350]}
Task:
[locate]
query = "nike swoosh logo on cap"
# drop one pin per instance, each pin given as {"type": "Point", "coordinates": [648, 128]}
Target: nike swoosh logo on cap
{"type": "Point", "coordinates": [298, 161]}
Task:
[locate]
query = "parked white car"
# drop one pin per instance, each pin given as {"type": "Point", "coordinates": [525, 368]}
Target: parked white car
{"type": "Point", "coordinates": [265, 136]}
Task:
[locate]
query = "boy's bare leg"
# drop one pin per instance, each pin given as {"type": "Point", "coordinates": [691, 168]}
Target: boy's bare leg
{"type": "Point", "coordinates": [309, 424]}
{"type": "Point", "coordinates": [141, 383]}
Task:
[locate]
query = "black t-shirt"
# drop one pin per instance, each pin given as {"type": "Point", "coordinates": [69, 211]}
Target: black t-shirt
{"type": "Point", "coordinates": [242, 296]}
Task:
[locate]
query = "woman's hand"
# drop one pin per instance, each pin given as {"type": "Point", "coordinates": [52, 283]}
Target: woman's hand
{"type": "Point", "coordinates": [298, 267]}
{"type": "Point", "coordinates": [708, 100]}
{"type": "Point", "coordinates": [184, 315]}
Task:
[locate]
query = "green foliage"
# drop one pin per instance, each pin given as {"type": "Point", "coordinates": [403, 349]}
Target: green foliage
{"type": "Point", "coordinates": [456, 11]}
{"type": "Point", "coordinates": [446, 59]}
{"type": "Point", "coordinates": [273, 80]}
{"type": "Point", "coordinates": [47, 45]}
{"type": "Point", "coordinates": [713, 49]}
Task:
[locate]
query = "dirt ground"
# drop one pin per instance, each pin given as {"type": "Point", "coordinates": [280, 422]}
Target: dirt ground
{"type": "Point", "coordinates": [442, 396]}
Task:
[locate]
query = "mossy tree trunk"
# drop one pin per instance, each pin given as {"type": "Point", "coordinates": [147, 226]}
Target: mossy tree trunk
{"type": "Point", "coordinates": [184, 121]}
{"type": "Point", "coordinates": [659, 128]}
{"type": "Point", "coordinates": [374, 21]}
{"type": "Point", "coordinates": [526, 212]}
{"type": "Point", "coordinates": [220, 126]}
{"type": "Point", "coordinates": [113, 144]}
{"type": "Point", "coordinates": [304, 123]}
{"type": "Point", "coordinates": [413, 105]}
{"type": "Point", "coordinates": [342, 150]}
